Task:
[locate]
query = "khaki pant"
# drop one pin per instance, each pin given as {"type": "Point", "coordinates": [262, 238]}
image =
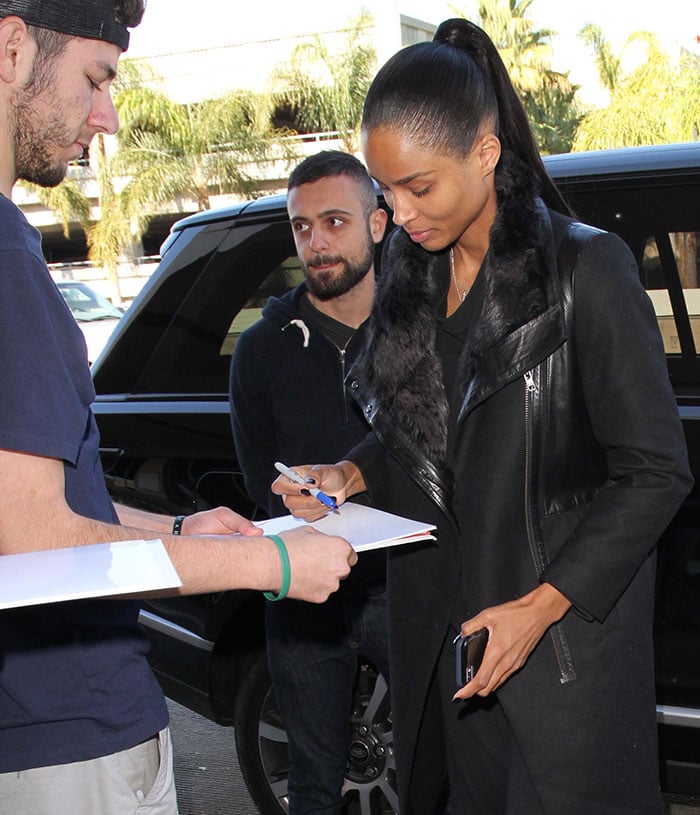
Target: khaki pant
{"type": "Point", "coordinates": [138, 781]}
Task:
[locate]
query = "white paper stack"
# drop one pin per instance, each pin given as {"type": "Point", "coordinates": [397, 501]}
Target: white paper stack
{"type": "Point", "coordinates": [363, 527]}
{"type": "Point", "coordinates": [94, 570]}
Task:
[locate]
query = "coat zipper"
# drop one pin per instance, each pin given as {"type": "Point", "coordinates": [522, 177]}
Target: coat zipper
{"type": "Point", "coordinates": [534, 535]}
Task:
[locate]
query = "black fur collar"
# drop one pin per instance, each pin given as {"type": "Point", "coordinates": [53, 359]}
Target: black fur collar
{"type": "Point", "coordinates": [400, 368]}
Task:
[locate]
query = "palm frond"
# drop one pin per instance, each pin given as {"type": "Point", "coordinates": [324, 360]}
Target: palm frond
{"type": "Point", "coordinates": [327, 90]}
{"type": "Point", "coordinates": [67, 201]}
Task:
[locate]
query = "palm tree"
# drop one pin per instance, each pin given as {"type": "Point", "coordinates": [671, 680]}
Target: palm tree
{"type": "Point", "coordinates": [553, 112]}
{"type": "Point", "coordinates": [192, 150]}
{"type": "Point", "coordinates": [112, 236]}
{"type": "Point", "coordinates": [526, 52]}
{"type": "Point", "coordinates": [67, 201]}
{"type": "Point", "coordinates": [114, 233]}
{"type": "Point", "coordinates": [656, 102]}
{"type": "Point", "coordinates": [608, 64]}
{"type": "Point", "coordinates": [325, 90]}
{"type": "Point", "coordinates": [549, 97]}
{"type": "Point", "coordinates": [169, 153]}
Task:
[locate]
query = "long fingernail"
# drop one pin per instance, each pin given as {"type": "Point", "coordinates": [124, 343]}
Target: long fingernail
{"type": "Point", "coordinates": [305, 492]}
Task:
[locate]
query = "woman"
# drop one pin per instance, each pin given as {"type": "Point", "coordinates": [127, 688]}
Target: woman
{"type": "Point", "coordinates": [517, 391]}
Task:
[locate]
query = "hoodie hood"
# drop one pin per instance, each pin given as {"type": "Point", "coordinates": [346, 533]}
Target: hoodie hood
{"type": "Point", "coordinates": [283, 313]}
{"type": "Point", "coordinates": [280, 310]}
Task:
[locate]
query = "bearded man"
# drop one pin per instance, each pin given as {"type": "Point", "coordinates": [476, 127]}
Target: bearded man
{"type": "Point", "coordinates": [289, 404]}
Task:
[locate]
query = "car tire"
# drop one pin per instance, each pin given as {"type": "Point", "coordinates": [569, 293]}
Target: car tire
{"type": "Point", "coordinates": [261, 743]}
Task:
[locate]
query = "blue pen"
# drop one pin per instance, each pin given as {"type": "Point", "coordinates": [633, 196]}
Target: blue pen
{"type": "Point", "coordinates": [298, 479]}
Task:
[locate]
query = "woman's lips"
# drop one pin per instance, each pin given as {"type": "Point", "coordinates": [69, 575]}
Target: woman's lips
{"type": "Point", "coordinates": [420, 235]}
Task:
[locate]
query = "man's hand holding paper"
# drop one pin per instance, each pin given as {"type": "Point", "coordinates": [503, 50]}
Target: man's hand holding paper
{"type": "Point", "coordinates": [318, 563]}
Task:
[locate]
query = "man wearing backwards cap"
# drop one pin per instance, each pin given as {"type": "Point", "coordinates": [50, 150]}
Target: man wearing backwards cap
{"type": "Point", "coordinates": [83, 724]}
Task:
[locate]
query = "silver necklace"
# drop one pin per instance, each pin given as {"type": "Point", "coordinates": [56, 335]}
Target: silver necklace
{"type": "Point", "coordinates": [461, 294]}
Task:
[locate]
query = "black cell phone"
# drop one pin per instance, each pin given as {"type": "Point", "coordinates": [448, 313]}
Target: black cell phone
{"type": "Point", "coordinates": [470, 652]}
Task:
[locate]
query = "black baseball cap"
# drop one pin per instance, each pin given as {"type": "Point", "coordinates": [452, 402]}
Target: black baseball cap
{"type": "Point", "coordinates": [92, 19]}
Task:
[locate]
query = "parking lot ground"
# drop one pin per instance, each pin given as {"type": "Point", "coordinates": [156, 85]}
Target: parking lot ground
{"type": "Point", "coordinates": [673, 808]}
{"type": "Point", "coordinates": [207, 775]}
{"type": "Point", "coordinates": [209, 779]}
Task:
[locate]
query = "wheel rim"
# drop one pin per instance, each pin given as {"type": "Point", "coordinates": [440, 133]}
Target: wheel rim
{"type": "Point", "coordinates": [370, 778]}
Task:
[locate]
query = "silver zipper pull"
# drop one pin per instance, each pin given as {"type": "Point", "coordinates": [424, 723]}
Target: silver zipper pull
{"type": "Point", "coordinates": [530, 382]}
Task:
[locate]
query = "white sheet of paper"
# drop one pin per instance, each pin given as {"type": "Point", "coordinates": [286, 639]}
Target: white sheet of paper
{"type": "Point", "coordinates": [95, 570]}
{"type": "Point", "coordinates": [363, 527]}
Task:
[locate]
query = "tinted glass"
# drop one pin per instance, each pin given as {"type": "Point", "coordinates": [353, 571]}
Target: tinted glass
{"type": "Point", "coordinates": [287, 275]}
{"type": "Point", "coordinates": [680, 254]}
{"type": "Point", "coordinates": [194, 353]}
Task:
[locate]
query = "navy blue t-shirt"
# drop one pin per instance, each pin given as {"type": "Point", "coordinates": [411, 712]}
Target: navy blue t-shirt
{"type": "Point", "coordinates": [74, 681]}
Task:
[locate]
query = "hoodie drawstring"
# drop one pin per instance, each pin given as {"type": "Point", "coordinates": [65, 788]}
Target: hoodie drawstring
{"type": "Point", "coordinates": [301, 325]}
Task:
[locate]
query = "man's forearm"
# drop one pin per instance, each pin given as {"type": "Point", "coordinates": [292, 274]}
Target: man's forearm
{"type": "Point", "coordinates": [216, 550]}
{"type": "Point", "coordinates": [204, 564]}
{"type": "Point", "coordinates": [140, 518]}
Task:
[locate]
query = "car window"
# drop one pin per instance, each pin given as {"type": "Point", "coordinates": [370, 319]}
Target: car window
{"type": "Point", "coordinates": [86, 304]}
{"type": "Point", "coordinates": [659, 218]}
{"type": "Point", "coordinates": [681, 260]}
{"type": "Point", "coordinates": [194, 353]}
{"type": "Point", "coordinates": [287, 275]}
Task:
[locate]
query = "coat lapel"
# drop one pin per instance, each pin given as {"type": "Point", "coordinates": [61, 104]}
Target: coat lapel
{"type": "Point", "coordinates": [519, 325]}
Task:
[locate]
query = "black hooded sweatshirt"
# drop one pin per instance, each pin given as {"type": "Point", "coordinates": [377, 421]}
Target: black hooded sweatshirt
{"type": "Point", "coordinates": [289, 403]}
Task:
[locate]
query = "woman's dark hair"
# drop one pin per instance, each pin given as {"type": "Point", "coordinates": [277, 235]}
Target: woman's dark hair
{"type": "Point", "coordinates": [440, 93]}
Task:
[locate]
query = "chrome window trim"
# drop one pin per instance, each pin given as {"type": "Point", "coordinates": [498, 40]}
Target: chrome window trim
{"type": "Point", "coordinates": [678, 716]}
{"type": "Point", "coordinates": [170, 404]}
{"type": "Point", "coordinates": [177, 632]}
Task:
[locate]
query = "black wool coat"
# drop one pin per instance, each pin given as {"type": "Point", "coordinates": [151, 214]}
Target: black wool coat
{"type": "Point", "coordinates": [564, 463]}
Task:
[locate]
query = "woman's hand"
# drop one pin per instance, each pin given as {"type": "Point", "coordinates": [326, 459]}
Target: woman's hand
{"type": "Point", "coordinates": [339, 481]}
{"type": "Point", "coordinates": [514, 628]}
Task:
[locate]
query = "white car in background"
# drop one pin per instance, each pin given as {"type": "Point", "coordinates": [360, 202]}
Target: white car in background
{"type": "Point", "coordinates": [95, 315]}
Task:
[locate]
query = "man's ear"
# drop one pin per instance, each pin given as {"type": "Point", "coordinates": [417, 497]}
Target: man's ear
{"type": "Point", "coordinates": [377, 224]}
{"type": "Point", "coordinates": [17, 48]}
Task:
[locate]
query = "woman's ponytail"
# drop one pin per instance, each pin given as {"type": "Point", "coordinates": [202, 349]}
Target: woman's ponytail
{"type": "Point", "coordinates": [512, 124]}
{"type": "Point", "coordinates": [441, 93]}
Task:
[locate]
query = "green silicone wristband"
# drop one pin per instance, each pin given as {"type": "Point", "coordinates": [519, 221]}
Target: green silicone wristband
{"type": "Point", "coordinates": [286, 570]}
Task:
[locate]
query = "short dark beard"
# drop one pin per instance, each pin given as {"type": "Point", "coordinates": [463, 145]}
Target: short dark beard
{"type": "Point", "coordinates": [326, 285]}
{"type": "Point", "coordinates": [31, 152]}
{"type": "Point", "coordinates": [32, 145]}
{"type": "Point", "coordinates": [32, 141]}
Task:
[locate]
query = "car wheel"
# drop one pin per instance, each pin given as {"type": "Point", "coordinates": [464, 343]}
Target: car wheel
{"type": "Point", "coordinates": [261, 744]}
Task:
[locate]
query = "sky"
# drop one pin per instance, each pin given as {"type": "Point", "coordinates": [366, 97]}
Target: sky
{"type": "Point", "coordinates": [171, 26]}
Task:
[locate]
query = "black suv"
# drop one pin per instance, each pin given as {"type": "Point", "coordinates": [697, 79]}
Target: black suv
{"type": "Point", "coordinates": [163, 414]}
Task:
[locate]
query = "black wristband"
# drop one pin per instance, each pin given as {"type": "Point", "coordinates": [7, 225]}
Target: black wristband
{"type": "Point", "coordinates": [177, 524]}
